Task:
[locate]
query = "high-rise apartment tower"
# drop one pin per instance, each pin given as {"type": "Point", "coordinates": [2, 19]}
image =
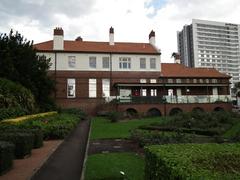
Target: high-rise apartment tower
{"type": "Point", "coordinates": [211, 44]}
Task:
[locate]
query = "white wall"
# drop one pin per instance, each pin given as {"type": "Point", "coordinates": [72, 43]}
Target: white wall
{"type": "Point", "coordinates": [82, 62]}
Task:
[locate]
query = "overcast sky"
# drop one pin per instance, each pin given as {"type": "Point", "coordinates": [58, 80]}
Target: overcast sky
{"type": "Point", "coordinates": [132, 19]}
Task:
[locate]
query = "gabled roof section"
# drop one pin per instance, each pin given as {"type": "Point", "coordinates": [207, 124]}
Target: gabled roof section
{"type": "Point", "coordinates": [100, 47]}
{"type": "Point", "coordinates": [179, 70]}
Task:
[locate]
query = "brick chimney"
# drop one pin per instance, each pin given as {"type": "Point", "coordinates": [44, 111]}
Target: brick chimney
{"type": "Point", "coordinates": [111, 36]}
{"type": "Point", "coordinates": [58, 41]}
{"type": "Point", "coordinates": [152, 38]}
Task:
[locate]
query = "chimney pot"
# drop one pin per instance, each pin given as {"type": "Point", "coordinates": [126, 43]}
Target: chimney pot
{"type": "Point", "coordinates": [111, 36]}
{"type": "Point", "coordinates": [58, 31]}
{"type": "Point", "coordinates": [79, 38]}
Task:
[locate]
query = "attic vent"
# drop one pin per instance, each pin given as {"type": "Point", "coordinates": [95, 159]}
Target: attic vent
{"type": "Point", "coordinates": [79, 38]}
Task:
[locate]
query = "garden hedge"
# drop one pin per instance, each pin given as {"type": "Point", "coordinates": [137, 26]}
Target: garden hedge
{"type": "Point", "coordinates": [192, 161]}
{"type": "Point", "coordinates": [6, 156]}
{"type": "Point", "coordinates": [23, 142]}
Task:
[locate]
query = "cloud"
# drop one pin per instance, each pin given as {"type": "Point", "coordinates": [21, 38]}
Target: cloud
{"type": "Point", "coordinates": [132, 20]}
{"type": "Point", "coordinates": [43, 11]}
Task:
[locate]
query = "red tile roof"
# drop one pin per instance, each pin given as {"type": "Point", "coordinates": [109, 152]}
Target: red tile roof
{"type": "Point", "coordinates": [100, 47]}
{"type": "Point", "coordinates": [179, 70]}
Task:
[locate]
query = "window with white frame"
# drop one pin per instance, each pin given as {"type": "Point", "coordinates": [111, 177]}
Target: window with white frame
{"type": "Point", "coordinates": [143, 92]}
{"type": "Point", "coordinates": [105, 62]}
{"type": "Point", "coordinates": [92, 62]}
{"type": "Point", "coordinates": [152, 63]}
{"type": "Point", "coordinates": [143, 81]}
{"type": "Point", "coordinates": [178, 80]}
{"type": "Point", "coordinates": [71, 61]}
{"type": "Point", "coordinates": [92, 88]}
{"type": "Point", "coordinates": [153, 92]}
{"type": "Point", "coordinates": [71, 88]}
{"type": "Point", "coordinates": [153, 81]}
{"type": "Point", "coordinates": [106, 87]}
{"type": "Point", "coordinates": [124, 63]}
{"type": "Point", "coordinates": [170, 80]}
{"type": "Point", "coordinates": [194, 80]}
{"type": "Point", "coordinates": [142, 63]}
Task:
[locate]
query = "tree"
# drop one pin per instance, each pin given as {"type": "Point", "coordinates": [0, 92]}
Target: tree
{"type": "Point", "coordinates": [236, 89]}
{"type": "Point", "coordinates": [20, 63]}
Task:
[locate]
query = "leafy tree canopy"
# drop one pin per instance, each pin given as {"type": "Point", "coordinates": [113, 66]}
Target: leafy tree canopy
{"type": "Point", "coordinates": [20, 63]}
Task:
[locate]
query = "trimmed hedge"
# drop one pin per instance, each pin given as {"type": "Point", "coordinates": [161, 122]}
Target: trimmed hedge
{"type": "Point", "coordinates": [192, 161]}
{"type": "Point", "coordinates": [37, 133]}
{"type": "Point", "coordinates": [6, 156]}
{"type": "Point", "coordinates": [23, 142]}
{"type": "Point", "coordinates": [29, 117]}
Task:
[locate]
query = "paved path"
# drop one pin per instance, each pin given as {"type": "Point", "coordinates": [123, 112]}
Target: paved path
{"type": "Point", "coordinates": [66, 163]}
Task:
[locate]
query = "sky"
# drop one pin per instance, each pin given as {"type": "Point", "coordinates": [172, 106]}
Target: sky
{"type": "Point", "coordinates": [132, 19]}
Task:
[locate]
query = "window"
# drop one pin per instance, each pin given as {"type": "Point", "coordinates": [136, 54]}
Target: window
{"type": "Point", "coordinates": [71, 61]}
{"type": "Point", "coordinates": [125, 63]}
{"type": "Point", "coordinates": [187, 80]}
{"type": "Point", "coordinates": [178, 80]}
{"type": "Point", "coordinates": [92, 88]}
{"type": "Point", "coordinates": [71, 83]}
{"type": "Point", "coordinates": [194, 80]}
{"type": "Point", "coordinates": [105, 62]}
{"type": "Point", "coordinates": [144, 92]}
{"type": "Point", "coordinates": [153, 63]}
{"type": "Point", "coordinates": [142, 63]}
{"type": "Point", "coordinates": [153, 81]}
{"type": "Point", "coordinates": [153, 92]}
{"type": "Point", "coordinates": [92, 62]}
{"type": "Point", "coordinates": [201, 80]}
{"type": "Point", "coordinates": [143, 81]}
{"type": "Point", "coordinates": [207, 80]}
{"type": "Point", "coordinates": [170, 80]}
{"type": "Point", "coordinates": [106, 87]}
{"type": "Point", "coordinates": [214, 80]}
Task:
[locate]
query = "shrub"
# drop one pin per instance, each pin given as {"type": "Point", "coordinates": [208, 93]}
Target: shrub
{"type": "Point", "coordinates": [78, 112]}
{"type": "Point", "coordinates": [37, 133]}
{"type": "Point", "coordinates": [6, 156]}
{"type": "Point", "coordinates": [14, 95]}
{"type": "Point", "coordinates": [114, 116]}
{"type": "Point", "coordinates": [23, 142]}
{"type": "Point", "coordinates": [11, 112]}
{"type": "Point", "coordinates": [192, 161]}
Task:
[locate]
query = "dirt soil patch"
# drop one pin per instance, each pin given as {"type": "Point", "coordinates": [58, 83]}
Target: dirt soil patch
{"type": "Point", "coordinates": [113, 145]}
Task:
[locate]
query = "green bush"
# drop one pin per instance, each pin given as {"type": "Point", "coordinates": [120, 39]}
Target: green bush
{"type": "Point", "coordinates": [114, 116]}
{"type": "Point", "coordinates": [37, 133]}
{"type": "Point", "coordinates": [14, 95]}
{"type": "Point", "coordinates": [53, 127]}
{"type": "Point", "coordinates": [192, 161]}
{"type": "Point", "coordinates": [78, 112]}
{"type": "Point", "coordinates": [23, 142]}
{"type": "Point", "coordinates": [6, 156]}
{"type": "Point", "coordinates": [11, 112]}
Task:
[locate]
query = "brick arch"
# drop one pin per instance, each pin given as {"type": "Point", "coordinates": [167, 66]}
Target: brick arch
{"type": "Point", "coordinates": [218, 108]}
{"type": "Point", "coordinates": [154, 112]}
{"type": "Point", "coordinates": [175, 111]}
{"type": "Point", "coordinates": [131, 112]}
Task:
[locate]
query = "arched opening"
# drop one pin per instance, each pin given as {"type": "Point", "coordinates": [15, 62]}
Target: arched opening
{"type": "Point", "coordinates": [175, 111]}
{"type": "Point", "coordinates": [218, 109]}
{"type": "Point", "coordinates": [131, 112]}
{"type": "Point", "coordinates": [154, 112]}
{"type": "Point", "coordinates": [198, 109]}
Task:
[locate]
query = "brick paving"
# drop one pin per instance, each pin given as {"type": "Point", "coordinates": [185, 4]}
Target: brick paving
{"type": "Point", "coordinates": [24, 168]}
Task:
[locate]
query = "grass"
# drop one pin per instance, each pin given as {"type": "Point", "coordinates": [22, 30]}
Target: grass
{"type": "Point", "coordinates": [102, 128]}
{"type": "Point", "coordinates": [233, 131]}
{"type": "Point", "coordinates": [108, 166]}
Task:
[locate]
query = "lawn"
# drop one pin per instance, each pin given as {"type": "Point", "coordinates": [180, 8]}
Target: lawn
{"type": "Point", "coordinates": [108, 166]}
{"type": "Point", "coordinates": [103, 128]}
